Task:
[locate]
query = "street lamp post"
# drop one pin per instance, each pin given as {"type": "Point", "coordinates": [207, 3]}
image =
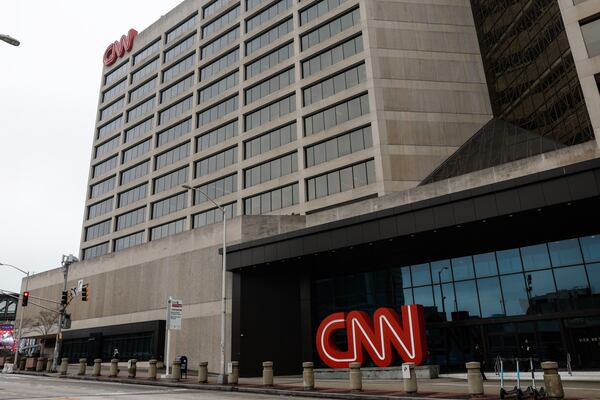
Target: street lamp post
{"type": "Point", "coordinates": [66, 262]}
{"type": "Point", "coordinates": [222, 377]}
{"type": "Point", "coordinates": [10, 40]}
{"type": "Point", "coordinates": [442, 291]}
{"type": "Point", "coordinates": [22, 310]}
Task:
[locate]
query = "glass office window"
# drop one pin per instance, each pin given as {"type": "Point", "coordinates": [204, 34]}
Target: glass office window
{"type": "Point", "coordinates": [329, 29]}
{"type": "Point", "coordinates": [466, 298]}
{"type": "Point", "coordinates": [490, 297]}
{"type": "Point", "coordinates": [220, 22]}
{"type": "Point", "coordinates": [179, 49]}
{"type": "Point", "coordinates": [509, 261]}
{"type": "Point", "coordinates": [103, 187]}
{"type": "Point", "coordinates": [590, 246]}
{"type": "Point", "coordinates": [141, 109]}
{"type": "Point", "coordinates": [270, 140]}
{"type": "Point", "coordinates": [404, 274]}
{"type": "Point", "coordinates": [214, 215]}
{"type": "Point", "coordinates": [462, 268]}
{"type": "Point", "coordinates": [565, 252]}
{"type": "Point", "coordinates": [100, 208]}
{"type": "Point", "coordinates": [441, 269]}
{"type": "Point", "coordinates": [447, 303]}
{"type": "Point", "coordinates": [95, 251]}
{"type": "Point", "coordinates": [571, 278]}
{"type": "Point", "coordinates": [334, 85]}
{"type": "Point", "coordinates": [174, 132]}
{"type": "Point", "coordinates": [273, 200]}
{"type": "Point", "coordinates": [268, 14]}
{"type": "Point", "coordinates": [128, 241]}
{"type": "Point", "coordinates": [332, 56]}
{"type": "Point", "coordinates": [175, 110]}
{"type": "Point", "coordinates": [135, 172]}
{"type": "Point", "coordinates": [169, 205]}
{"type": "Point", "coordinates": [182, 28]}
{"type": "Point", "coordinates": [111, 127]}
{"type": "Point", "coordinates": [216, 136]}
{"type": "Point", "coordinates": [111, 109]}
{"type": "Point", "coordinates": [270, 86]}
{"type": "Point", "coordinates": [514, 294]}
{"type": "Point", "coordinates": [220, 43]}
{"type": "Point", "coordinates": [105, 166]}
{"type": "Point", "coordinates": [107, 147]}
{"type": "Point", "coordinates": [114, 91]}
{"type": "Point", "coordinates": [171, 180]}
{"type": "Point", "coordinates": [131, 218]}
{"type": "Point", "coordinates": [424, 296]}
{"type": "Point", "coordinates": [218, 87]}
{"type": "Point", "coordinates": [216, 162]}
{"type": "Point", "coordinates": [217, 188]}
{"type": "Point", "coordinates": [318, 9]}
{"type": "Point", "coordinates": [540, 283]}
{"type": "Point", "coordinates": [172, 156]}
{"type": "Point", "coordinates": [168, 229]}
{"type": "Point", "coordinates": [336, 115]}
{"type": "Point", "coordinates": [218, 111]}
{"type": "Point", "coordinates": [270, 112]}
{"type": "Point", "coordinates": [421, 275]}
{"type": "Point", "coordinates": [143, 90]}
{"type": "Point", "coordinates": [176, 89]}
{"type": "Point", "coordinates": [220, 64]}
{"type": "Point", "coordinates": [270, 170]}
{"type": "Point", "coordinates": [97, 230]}
{"type": "Point", "coordinates": [591, 36]}
{"type": "Point", "coordinates": [144, 71]}
{"type": "Point", "coordinates": [213, 7]}
{"type": "Point", "coordinates": [149, 51]}
{"type": "Point", "coordinates": [116, 73]}
{"type": "Point", "coordinates": [535, 257]}
{"type": "Point", "coordinates": [270, 60]}
{"type": "Point", "coordinates": [593, 272]}
{"type": "Point", "coordinates": [485, 265]}
{"type": "Point", "coordinates": [340, 146]}
{"type": "Point", "coordinates": [132, 195]}
{"type": "Point", "coordinates": [181, 67]}
{"type": "Point", "coordinates": [139, 129]}
{"type": "Point", "coordinates": [250, 4]}
{"type": "Point", "coordinates": [341, 180]}
{"type": "Point", "coordinates": [137, 151]}
{"type": "Point", "coordinates": [269, 36]}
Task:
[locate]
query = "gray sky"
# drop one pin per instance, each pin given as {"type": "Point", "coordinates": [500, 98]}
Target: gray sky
{"type": "Point", "coordinates": [48, 99]}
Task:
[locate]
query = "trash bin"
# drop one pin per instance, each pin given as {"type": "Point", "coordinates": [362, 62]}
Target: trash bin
{"type": "Point", "coordinates": [184, 365]}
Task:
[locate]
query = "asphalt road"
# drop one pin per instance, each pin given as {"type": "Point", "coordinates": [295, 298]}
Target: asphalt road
{"type": "Point", "coordinates": [30, 387]}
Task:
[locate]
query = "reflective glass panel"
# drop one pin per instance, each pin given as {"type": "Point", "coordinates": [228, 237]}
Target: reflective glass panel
{"type": "Point", "coordinates": [485, 265]}
{"type": "Point", "coordinates": [466, 298]}
{"type": "Point", "coordinates": [490, 297]}
{"type": "Point", "coordinates": [509, 261]}
{"type": "Point", "coordinates": [590, 246]}
{"type": "Point", "coordinates": [565, 252]}
{"type": "Point", "coordinates": [593, 272]}
{"type": "Point", "coordinates": [535, 257]}
{"type": "Point", "coordinates": [462, 268]}
{"type": "Point", "coordinates": [420, 275]}
{"type": "Point", "coordinates": [515, 295]}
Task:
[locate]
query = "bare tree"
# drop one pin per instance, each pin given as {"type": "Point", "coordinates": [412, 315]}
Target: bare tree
{"type": "Point", "coordinates": [43, 323]}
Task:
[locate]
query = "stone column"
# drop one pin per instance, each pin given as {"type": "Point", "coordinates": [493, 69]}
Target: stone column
{"type": "Point", "coordinates": [176, 370]}
{"type": "Point", "coordinates": [82, 365]}
{"type": "Point", "coordinates": [49, 364]}
{"type": "Point", "coordinates": [203, 372]}
{"type": "Point", "coordinates": [474, 378]}
{"type": "Point", "coordinates": [40, 365]}
{"type": "Point", "coordinates": [410, 384]}
{"type": "Point", "coordinates": [114, 368]}
{"type": "Point", "coordinates": [308, 375]}
{"type": "Point", "coordinates": [355, 377]}
{"type": "Point", "coordinates": [64, 366]}
{"type": "Point", "coordinates": [152, 369]}
{"type": "Point", "coordinates": [552, 381]}
{"type": "Point", "coordinates": [97, 367]}
{"type": "Point", "coordinates": [235, 373]}
{"type": "Point", "coordinates": [22, 363]}
{"type": "Point", "coordinates": [267, 373]}
{"type": "Point", "coordinates": [131, 371]}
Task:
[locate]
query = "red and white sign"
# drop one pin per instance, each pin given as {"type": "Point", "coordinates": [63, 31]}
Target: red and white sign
{"type": "Point", "coordinates": [377, 337]}
{"type": "Point", "coordinates": [119, 48]}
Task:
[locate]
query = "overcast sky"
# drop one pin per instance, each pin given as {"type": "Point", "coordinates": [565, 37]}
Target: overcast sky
{"type": "Point", "coordinates": [48, 99]}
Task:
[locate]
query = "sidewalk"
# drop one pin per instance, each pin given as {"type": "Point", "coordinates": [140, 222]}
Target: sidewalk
{"type": "Point", "coordinates": [578, 376]}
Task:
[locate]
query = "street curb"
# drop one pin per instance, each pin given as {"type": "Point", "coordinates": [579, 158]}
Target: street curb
{"type": "Point", "coordinates": [230, 388]}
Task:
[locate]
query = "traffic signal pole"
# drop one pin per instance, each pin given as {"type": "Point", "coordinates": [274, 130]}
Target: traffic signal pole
{"type": "Point", "coordinates": [66, 261]}
{"type": "Point", "coordinates": [21, 323]}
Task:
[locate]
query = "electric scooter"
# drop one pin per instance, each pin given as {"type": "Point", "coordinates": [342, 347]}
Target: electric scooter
{"type": "Point", "coordinates": [515, 393]}
{"type": "Point", "coordinates": [532, 392]}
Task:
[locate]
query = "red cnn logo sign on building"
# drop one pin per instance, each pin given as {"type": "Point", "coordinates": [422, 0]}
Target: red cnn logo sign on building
{"type": "Point", "coordinates": [119, 48]}
{"type": "Point", "coordinates": [378, 337]}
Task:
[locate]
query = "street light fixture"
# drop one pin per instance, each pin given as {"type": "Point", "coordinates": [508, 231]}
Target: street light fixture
{"type": "Point", "coordinates": [10, 40]}
{"type": "Point", "coordinates": [222, 377]}
{"type": "Point", "coordinates": [22, 308]}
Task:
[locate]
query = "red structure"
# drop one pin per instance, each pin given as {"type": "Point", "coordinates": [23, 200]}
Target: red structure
{"type": "Point", "coordinates": [119, 48]}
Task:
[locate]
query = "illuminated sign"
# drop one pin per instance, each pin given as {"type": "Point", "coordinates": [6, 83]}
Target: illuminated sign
{"type": "Point", "coordinates": [119, 48]}
{"type": "Point", "coordinates": [377, 337]}
{"type": "Point", "coordinates": [7, 340]}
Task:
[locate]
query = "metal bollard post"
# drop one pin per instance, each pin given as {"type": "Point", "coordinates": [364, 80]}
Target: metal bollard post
{"type": "Point", "coordinates": [114, 368]}
{"type": "Point", "coordinates": [267, 373]}
{"type": "Point", "coordinates": [410, 377]}
{"type": "Point", "coordinates": [474, 378]}
{"type": "Point", "coordinates": [234, 376]}
{"type": "Point", "coordinates": [132, 368]}
{"type": "Point", "coordinates": [203, 372]}
{"type": "Point", "coordinates": [49, 364]}
{"type": "Point", "coordinates": [355, 377]}
{"type": "Point", "coordinates": [82, 365]}
{"type": "Point", "coordinates": [552, 381]}
{"type": "Point", "coordinates": [308, 375]}
{"type": "Point", "coordinates": [176, 370]}
{"type": "Point", "coordinates": [152, 369]}
{"type": "Point", "coordinates": [97, 367]}
{"type": "Point", "coordinates": [40, 365]}
{"type": "Point", "coordinates": [64, 366]}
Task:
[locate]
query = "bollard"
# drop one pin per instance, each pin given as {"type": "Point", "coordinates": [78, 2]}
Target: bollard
{"type": "Point", "coordinates": [49, 364]}
{"type": "Point", "coordinates": [114, 368]}
{"type": "Point", "coordinates": [152, 369]}
{"type": "Point", "coordinates": [132, 368]}
{"type": "Point", "coordinates": [176, 370]}
{"type": "Point", "coordinates": [474, 378]}
{"type": "Point", "coordinates": [203, 372]}
{"type": "Point", "coordinates": [308, 375]}
{"type": "Point", "coordinates": [64, 366]}
{"type": "Point", "coordinates": [267, 373]}
{"type": "Point", "coordinates": [41, 364]}
{"type": "Point", "coordinates": [552, 381]}
{"type": "Point", "coordinates": [97, 367]}
{"type": "Point", "coordinates": [82, 365]}
{"type": "Point", "coordinates": [22, 363]}
{"type": "Point", "coordinates": [234, 376]}
{"type": "Point", "coordinates": [410, 377]}
{"type": "Point", "coordinates": [355, 377]}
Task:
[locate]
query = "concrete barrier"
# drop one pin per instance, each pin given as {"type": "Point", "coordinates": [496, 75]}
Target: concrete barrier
{"type": "Point", "coordinates": [49, 363]}
{"type": "Point", "coordinates": [355, 377]}
{"type": "Point", "coordinates": [308, 375]}
{"type": "Point", "coordinates": [234, 376]}
{"type": "Point", "coordinates": [22, 363]}
{"type": "Point", "coordinates": [203, 372]}
{"type": "Point", "coordinates": [176, 370]}
{"type": "Point", "coordinates": [474, 378]}
{"type": "Point", "coordinates": [82, 366]}
{"type": "Point", "coordinates": [267, 374]}
{"type": "Point", "coordinates": [410, 381]}
{"type": "Point", "coordinates": [552, 381]}
{"type": "Point", "coordinates": [97, 367]}
{"type": "Point", "coordinates": [114, 368]}
{"type": "Point", "coordinates": [41, 364]}
{"type": "Point", "coordinates": [152, 369]}
{"type": "Point", "coordinates": [64, 366]}
{"type": "Point", "coordinates": [132, 368]}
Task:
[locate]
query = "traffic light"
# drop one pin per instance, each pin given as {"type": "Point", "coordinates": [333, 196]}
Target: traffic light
{"type": "Point", "coordinates": [25, 299]}
{"type": "Point", "coordinates": [84, 293]}
{"type": "Point", "coordinates": [65, 296]}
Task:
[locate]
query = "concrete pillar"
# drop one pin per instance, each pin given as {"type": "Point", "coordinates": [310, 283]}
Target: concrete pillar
{"type": "Point", "coordinates": [267, 373]}
{"type": "Point", "coordinates": [82, 365]}
{"type": "Point", "coordinates": [552, 381]}
{"type": "Point", "coordinates": [131, 371]}
{"type": "Point", "coordinates": [355, 377]}
{"type": "Point", "coordinates": [308, 375]}
{"type": "Point", "coordinates": [234, 376]}
{"type": "Point", "coordinates": [64, 366]}
{"type": "Point", "coordinates": [176, 370]}
{"type": "Point", "coordinates": [40, 365]}
{"type": "Point", "coordinates": [97, 367]}
{"type": "Point", "coordinates": [203, 372]}
{"type": "Point", "coordinates": [114, 368]}
{"type": "Point", "coordinates": [22, 363]}
{"type": "Point", "coordinates": [152, 369]}
{"type": "Point", "coordinates": [410, 383]}
{"type": "Point", "coordinates": [49, 364]}
{"type": "Point", "coordinates": [474, 378]}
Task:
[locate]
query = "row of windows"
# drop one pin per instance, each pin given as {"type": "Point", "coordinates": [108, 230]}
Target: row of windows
{"type": "Point", "coordinates": [117, 106]}
{"type": "Point", "coordinates": [335, 84]}
{"type": "Point", "coordinates": [176, 89]}
{"type": "Point", "coordinates": [270, 170]}
{"type": "Point", "coordinates": [219, 43]}
{"type": "Point", "coordinates": [341, 180]}
{"type": "Point", "coordinates": [175, 110]}
{"type": "Point", "coordinates": [104, 166]}
{"type": "Point", "coordinates": [250, 4]}
{"type": "Point", "coordinates": [143, 90]}
{"type": "Point", "coordinates": [135, 172]}
{"type": "Point", "coordinates": [216, 162]}
{"type": "Point", "coordinates": [147, 69]}
{"type": "Point", "coordinates": [97, 230]}
{"type": "Point", "coordinates": [169, 205]}
{"type": "Point", "coordinates": [179, 49]}
{"type": "Point", "coordinates": [103, 187]}
{"type": "Point", "coordinates": [218, 111]}
{"type": "Point", "coordinates": [215, 189]}
{"type": "Point", "coordinates": [132, 195]}
{"type": "Point", "coordinates": [182, 28]}
{"type": "Point", "coordinates": [218, 87]}
{"type": "Point", "coordinates": [167, 229]}
{"type": "Point", "coordinates": [129, 241]}
{"type": "Point", "coordinates": [111, 127]}
{"type": "Point", "coordinates": [137, 151]}
{"type": "Point", "coordinates": [116, 73]}
{"type": "Point", "coordinates": [147, 52]}
{"type": "Point", "coordinates": [139, 130]}
{"type": "Point", "coordinates": [141, 109]}
{"type": "Point", "coordinates": [330, 29]}
{"type": "Point", "coordinates": [217, 136]}
{"type": "Point", "coordinates": [100, 208]}
{"type": "Point", "coordinates": [174, 132]}
{"type": "Point", "coordinates": [182, 66]}
{"type": "Point", "coordinates": [95, 251]}
{"type": "Point", "coordinates": [332, 56]}
{"type": "Point", "coordinates": [219, 64]}
{"type": "Point", "coordinates": [111, 93]}
{"type": "Point", "coordinates": [336, 115]}
{"type": "Point", "coordinates": [271, 201]}
{"type": "Point", "coordinates": [269, 36]}
{"type": "Point", "coordinates": [318, 9]}
{"type": "Point", "coordinates": [270, 60]}
{"type": "Point", "coordinates": [271, 85]}
{"type": "Point", "coordinates": [270, 112]}
{"type": "Point", "coordinates": [268, 14]}
{"type": "Point", "coordinates": [107, 147]}
{"type": "Point", "coordinates": [220, 22]}
{"type": "Point", "coordinates": [171, 180]}
{"type": "Point", "coordinates": [339, 146]}
{"type": "Point", "coordinates": [172, 156]}
{"type": "Point", "coordinates": [131, 218]}
{"type": "Point", "coordinates": [270, 140]}
{"type": "Point", "coordinates": [213, 7]}
{"type": "Point", "coordinates": [214, 215]}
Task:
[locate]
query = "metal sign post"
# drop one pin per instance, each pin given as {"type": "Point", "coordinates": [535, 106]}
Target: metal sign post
{"type": "Point", "coordinates": [174, 316]}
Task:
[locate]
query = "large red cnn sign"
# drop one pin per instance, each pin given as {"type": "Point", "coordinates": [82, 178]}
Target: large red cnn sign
{"type": "Point", "coordinates": [377, 336]}
{"type": "Point", "coordinates": [119, 48]}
